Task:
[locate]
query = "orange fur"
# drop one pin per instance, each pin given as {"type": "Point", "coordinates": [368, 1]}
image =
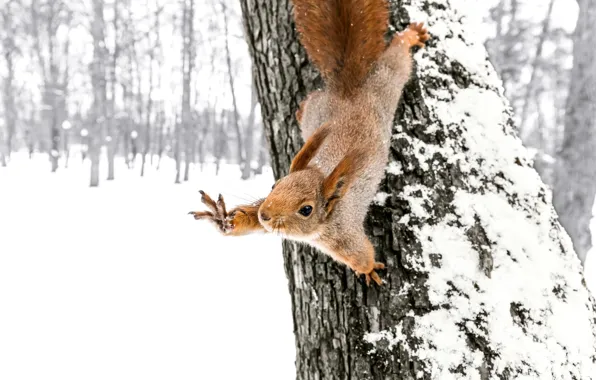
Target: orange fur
{"type": "Point", "coordinates": [338, 182]}
{"type": "Point", "coordinates": [343, 38]}
{"type": "Point", "coordinates": [310, 148]}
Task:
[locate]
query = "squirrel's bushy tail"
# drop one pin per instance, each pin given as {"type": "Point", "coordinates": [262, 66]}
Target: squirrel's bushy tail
{"type": "Point", "coordinates": [343, 38]}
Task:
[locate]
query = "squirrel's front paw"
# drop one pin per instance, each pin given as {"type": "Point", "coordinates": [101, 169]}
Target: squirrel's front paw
{"type": "Point", "coordinates": [414, 35]}
{"type": "Point", "coordinates": [217, 214]}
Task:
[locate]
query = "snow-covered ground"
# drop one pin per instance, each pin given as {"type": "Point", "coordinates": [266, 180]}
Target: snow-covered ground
{"type": "Point", "coordinates": [118, 282]}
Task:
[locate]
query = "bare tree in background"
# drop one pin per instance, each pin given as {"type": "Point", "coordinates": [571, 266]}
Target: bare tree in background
{"type": "Point", "coordinates": [153, 51]}
{"type": "Point", "coordinates": [9, 50]}
{"type": "Point", "coordinates": [185, 125]}
{"type": "Point", "coordinates": [523, 44]}
{"type": "Point", "coordinates": [249, 131]}
{"type": "Point", "coordinates": [530, 88]}
{"type": "Point", "coordinates": [52, 56]}
{"type": "Point", "coordinates": [98, 80]}
{"type": "Point", "coordinates": [576, 170]}
{"type": "Point", "coordinates": [235, 114]}
{"type": "Point", "coordinates": [111, 135]}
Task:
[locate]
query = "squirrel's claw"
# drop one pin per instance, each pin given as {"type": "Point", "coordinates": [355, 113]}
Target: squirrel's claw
{"type": "Point", "coordinates": [201, 214]}
{"type": "Point", "coordinates": [207, 201]}
{"type": "Point", "coordinates": [221, 206]}
{"type": "Point", "coordinates": [373, 275]}
{"type": "Point", "coordinates": [218, 214]}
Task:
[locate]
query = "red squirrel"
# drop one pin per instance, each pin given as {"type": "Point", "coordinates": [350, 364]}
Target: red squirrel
{"type": "Point", "coordinates": [324, 199]}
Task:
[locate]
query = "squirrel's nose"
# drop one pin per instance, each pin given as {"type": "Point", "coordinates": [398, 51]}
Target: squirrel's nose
{"type": "Point", "coordinates": [265, 217]}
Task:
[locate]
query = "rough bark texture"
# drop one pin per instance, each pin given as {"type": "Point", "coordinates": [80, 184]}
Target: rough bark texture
{"type": "Point", "coordinates": [480, 273]}
{"type": "Point", "coordinates": [575, 186]}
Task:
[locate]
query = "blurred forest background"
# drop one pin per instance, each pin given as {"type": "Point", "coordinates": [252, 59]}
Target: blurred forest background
{"type": "Point", "coordinates": [138, 81]}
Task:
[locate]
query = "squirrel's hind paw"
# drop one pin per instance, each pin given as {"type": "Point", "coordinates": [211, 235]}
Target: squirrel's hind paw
{"type": "Point", "coordinates": [374, 275]}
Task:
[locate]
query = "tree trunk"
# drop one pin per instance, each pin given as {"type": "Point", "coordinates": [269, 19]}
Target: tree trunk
{"type": "Point", "coordinates": [98, 80]}
{"type": "Point", "coordinates": [112, 141]}
{"type": "Point", "coordinates": [177, 143]}
{"type": "Point", "coordinates": [188, 57]}
{"type": "Point", "coordinates": [10, 112]}
{"type": "Point", "coordinates": [262, 160]}
{"type": "Point", "coordinates": [530, 95]}
{"type": "Point", "coordinates": [481, 278]}
{"type": "Point", "coordinates": [249, 133]}
{"type": "Point", "coordinates": [236, 116]}
{"type": "Point", "coordinates": [575, 186]}
{"type": "Point", "coordinates": [148, 113]}
{"type": "Point", "coordinates": [2, 149]}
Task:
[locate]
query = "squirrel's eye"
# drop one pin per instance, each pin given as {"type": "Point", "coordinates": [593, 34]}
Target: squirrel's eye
{"type": "Point", "coordinates": [305, 211]}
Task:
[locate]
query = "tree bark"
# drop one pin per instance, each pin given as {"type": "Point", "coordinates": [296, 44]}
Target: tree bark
{"type": "Point", "coordinates": [575, 186]}
{"type": "Point", "coordinates": [480, 275]}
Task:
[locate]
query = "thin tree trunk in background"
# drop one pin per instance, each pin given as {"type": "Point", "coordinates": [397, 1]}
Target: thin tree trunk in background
{"type": "Point", "coordinates": [576, 169]}
{"type": "Point", "coordinates": [10, 111]}
{"type": "Point", "coordinates": [460, 194]}
{"type": "Point", "coordinates": [177, 157]}
{"type": "Point", "coordinates": [112, 143]}
{"type": "Point", "coordinates": [262, 160]}
{"type": "Point", "coordinates": [51, 16]}
{"type": "Point", "coordinates": [138, 120]}
{"type": "Point", "coordinates": [529, 95]}
{"type": "Point", "coordinates": [66, 148]}
{"type": "Point", "coordinates": [2, 149]}
{"type": "Point", "coordinates": [219, 140]}
{"type": "Point", "coordinates": [154, 50]}
{"type": "Point", "coordinates": [187, 67]}
{"type": "Point", "coordinates": [98, 79]}
{"type": "Point", "coordinates": [160, 144]}
{"type": "Point", "coordinates": [236, 121]}
{"type": "Point", "coordinates": [30, 139]}
{"type": "Point", "coordinates": [51, 93]}
{"type": "Point", "coordinates": [148, 113]}
{"type": "Point", "coordinates": [249, 132]}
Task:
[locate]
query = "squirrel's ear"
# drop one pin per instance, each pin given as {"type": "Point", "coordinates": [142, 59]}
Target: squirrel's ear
{"type": "Point", "coordinates": [338, 182]}
{"type": "Point", "coordinates": [310, 148]}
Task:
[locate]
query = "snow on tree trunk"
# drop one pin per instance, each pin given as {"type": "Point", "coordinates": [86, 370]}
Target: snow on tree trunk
{"type": "Point", "coordinates": [482, 282]}
{"type": "Point", "coordinates": [575, 185]}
